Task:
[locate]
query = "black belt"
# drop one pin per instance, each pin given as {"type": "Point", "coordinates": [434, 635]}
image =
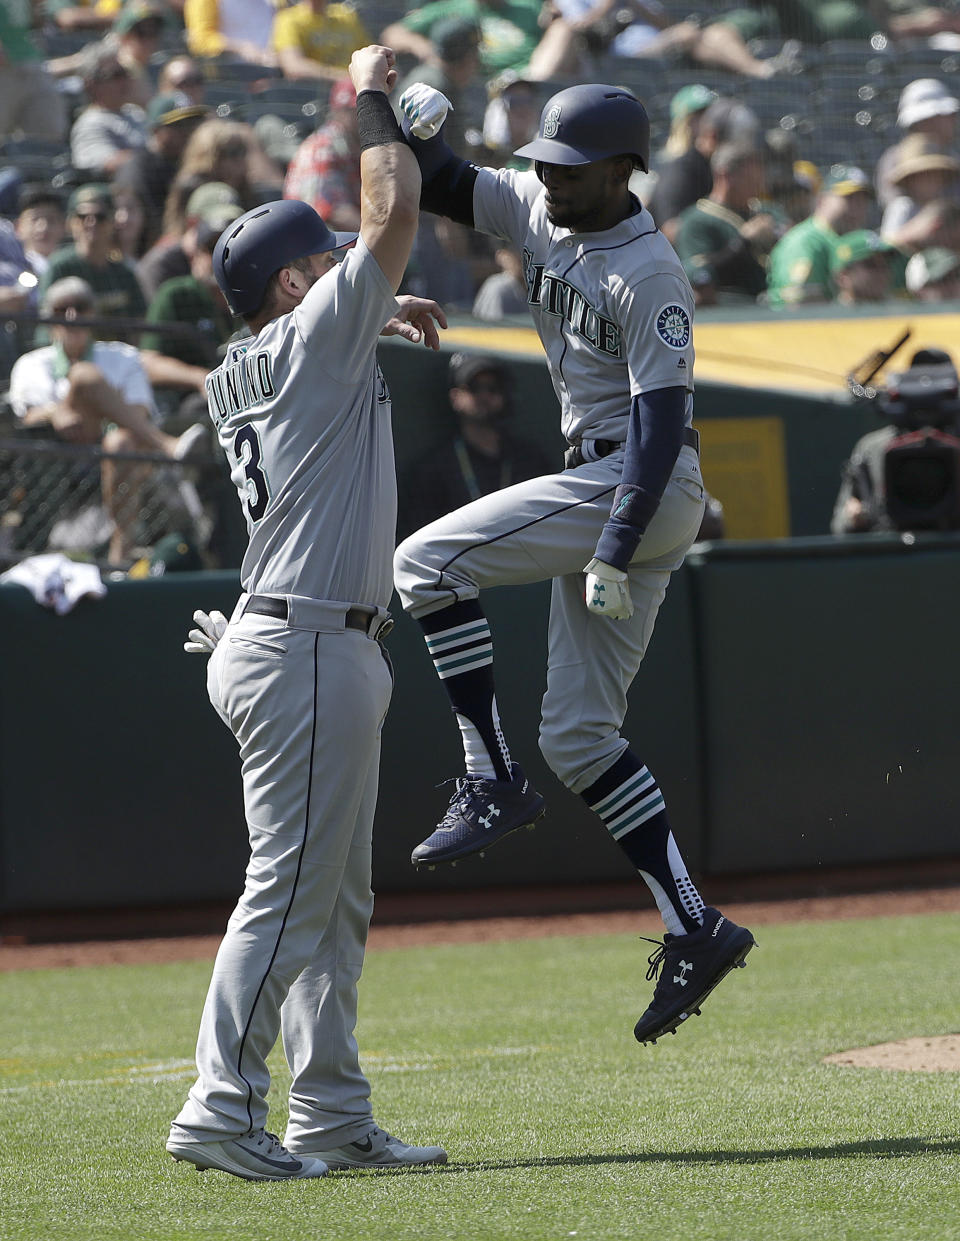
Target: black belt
{"type": "Point", "coordinates": [603, 448]}
{"type": "Point", "coordinates": [354, 618]}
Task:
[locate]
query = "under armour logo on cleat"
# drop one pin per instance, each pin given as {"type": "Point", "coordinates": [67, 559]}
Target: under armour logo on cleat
{"type": "Point", "coordinates": [684, 967]}
{"type": "Point", "coordinates": [492, 813]}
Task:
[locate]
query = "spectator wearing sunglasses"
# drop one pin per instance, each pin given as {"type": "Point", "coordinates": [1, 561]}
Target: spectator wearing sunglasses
{"type": "Point", "coordinates": [115, 287]}
{"type": "Point", "coordinates": [111, 127]}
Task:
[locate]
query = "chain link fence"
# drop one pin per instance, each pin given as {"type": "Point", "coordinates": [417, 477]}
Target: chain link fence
{"type": "Point", "coordinates": [113, 509]}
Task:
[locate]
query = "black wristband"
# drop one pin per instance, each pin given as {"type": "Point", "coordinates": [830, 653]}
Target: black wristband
{"type": "Point", "coordinates": [376, 124]}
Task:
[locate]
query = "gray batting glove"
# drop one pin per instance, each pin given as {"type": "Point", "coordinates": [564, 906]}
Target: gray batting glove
{"type": "Point", "coordinates": [607, 591]}
{"type": "Point", "coordinates": [426, 108]}
{"type": "Point", "coordinates": [211, 628]}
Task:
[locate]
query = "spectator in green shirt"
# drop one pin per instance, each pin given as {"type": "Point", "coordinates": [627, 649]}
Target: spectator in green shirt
{"type": "Point", "coordinates": [720, 237]}
{"type": "Point", "coordinates": [194, 301]}
{"type": "Point", "coordinates": [117, 292]}
{"type": "Point", "coordinates": [800, 261]}
{"type": "Point", "coordinates": [510, 31]}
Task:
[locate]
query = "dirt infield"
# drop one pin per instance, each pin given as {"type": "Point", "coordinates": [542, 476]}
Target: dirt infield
{"type": "Point", "coordinates": [929, 1055]}
{"type": "Point", "coordinates": [392, 934]}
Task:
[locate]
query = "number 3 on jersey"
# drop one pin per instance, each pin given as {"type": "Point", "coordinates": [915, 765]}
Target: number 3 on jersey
{"type": "Point", "coordinates": [255, 492]}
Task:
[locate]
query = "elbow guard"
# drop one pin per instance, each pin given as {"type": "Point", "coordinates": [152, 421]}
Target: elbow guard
{"type": "Point", "coordinates": [447, 179]}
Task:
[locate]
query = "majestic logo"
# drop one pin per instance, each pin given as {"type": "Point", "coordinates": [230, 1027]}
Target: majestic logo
{"type": "Point", "coordinates": [551, 123]}
{"type": "Point", "coordinates": [684, 967]}
{"type": "Point", "coordinates": [673, 326]}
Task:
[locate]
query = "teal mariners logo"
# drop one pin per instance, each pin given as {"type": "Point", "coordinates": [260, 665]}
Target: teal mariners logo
{"type": "Point", "coordinates": [551, 123]}
{"type": "Point", "coordinates": [673, 326]}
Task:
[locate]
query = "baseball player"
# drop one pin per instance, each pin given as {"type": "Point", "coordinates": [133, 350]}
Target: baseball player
{"type": "Point", "coordinates": [299, 674]}
{"type": "Point", "coordinates": [614, 312]}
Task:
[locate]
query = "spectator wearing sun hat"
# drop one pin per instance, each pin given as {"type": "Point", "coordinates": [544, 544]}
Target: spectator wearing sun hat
{"type": "Point", "coordinates": [922, 173]}
{"type": "Point", "coordinates": [861, 268]}
{"type": "Point", "coordinates": [171, 119]}
{"type": "Point", "coordinates": [799, 271]}
{"type": "Point", "coordinates": [927, 108]}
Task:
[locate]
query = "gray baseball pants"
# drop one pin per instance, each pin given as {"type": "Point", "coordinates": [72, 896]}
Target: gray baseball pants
{"type": "Point", "coordinates": [306, 708]}
{"type": "Point", "coordinates": [548, 528]}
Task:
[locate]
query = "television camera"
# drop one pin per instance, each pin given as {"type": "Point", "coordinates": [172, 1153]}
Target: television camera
{"type": "Point", "coordinates": [921, 463]}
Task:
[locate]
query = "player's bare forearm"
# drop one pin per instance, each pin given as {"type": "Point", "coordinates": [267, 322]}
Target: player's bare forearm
{"type": "Point", "coordinates": [389, 173]}
{"type": "Point", "coordinates": [417, 321]}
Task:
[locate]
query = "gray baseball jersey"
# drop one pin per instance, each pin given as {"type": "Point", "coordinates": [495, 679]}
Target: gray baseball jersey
{"type": "Point", "coordinates": [614, 309]}
{"type": "Point", "coordinates": [303, 415]}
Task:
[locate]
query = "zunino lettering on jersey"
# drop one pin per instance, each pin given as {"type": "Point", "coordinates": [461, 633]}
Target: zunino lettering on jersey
{"type": "Point", "coordinates": [559, 297]}
{"type": "Point", "coordinates": [241, 383]}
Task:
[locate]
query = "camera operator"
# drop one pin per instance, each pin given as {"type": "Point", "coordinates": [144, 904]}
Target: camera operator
{"type": "Point", "coordinates": [906, 475]}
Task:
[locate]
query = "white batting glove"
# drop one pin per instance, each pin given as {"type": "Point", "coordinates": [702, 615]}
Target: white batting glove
{"type": "Point", "coordinates": [426, 108]}
{"type": "Point", "coordinates": [608, 592]}
{"type": "Point", "coordinates": [203, 640]}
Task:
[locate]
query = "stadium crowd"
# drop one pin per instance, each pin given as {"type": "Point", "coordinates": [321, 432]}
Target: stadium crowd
{"type": "Point", "coordinates": [805, 152]}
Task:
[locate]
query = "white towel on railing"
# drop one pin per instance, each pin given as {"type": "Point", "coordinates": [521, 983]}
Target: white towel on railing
{"type": "Point", "coordinates": [56, 581]}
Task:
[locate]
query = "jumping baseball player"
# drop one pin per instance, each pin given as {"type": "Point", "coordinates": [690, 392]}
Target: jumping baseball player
{"type": "Point", "coordinates": [614, 312]}
{"type": "Point", "coordinates": [299, 674]}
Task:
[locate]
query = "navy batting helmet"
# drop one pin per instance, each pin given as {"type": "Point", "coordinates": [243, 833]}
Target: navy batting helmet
{"type": "Point", "coordinates": [586, 123]}
{"type": "Point", "coordinates": [262, 241]}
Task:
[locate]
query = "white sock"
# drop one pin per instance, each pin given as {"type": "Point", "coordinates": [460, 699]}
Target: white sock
{"type": "Point", "coordinates": [475, 753]}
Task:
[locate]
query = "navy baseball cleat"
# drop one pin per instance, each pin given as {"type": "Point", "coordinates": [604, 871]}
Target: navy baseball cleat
{"type": "Point", "coordinates": [689, 967]}
{"type": "Point", "coordinates": [480, 813]}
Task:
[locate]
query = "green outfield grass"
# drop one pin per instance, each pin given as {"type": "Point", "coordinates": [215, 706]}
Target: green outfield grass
{"type": "Point", "coordinates": [520, 1058]}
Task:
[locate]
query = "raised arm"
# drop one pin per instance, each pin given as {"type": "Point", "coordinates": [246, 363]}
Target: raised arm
{"type": "Point", "coordinates": [389, 173]}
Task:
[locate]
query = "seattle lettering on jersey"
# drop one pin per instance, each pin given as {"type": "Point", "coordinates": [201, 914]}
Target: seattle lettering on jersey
{"type": "Point", "coordinates": [559, 297]}
{"type": "Point", "coordinates": [246, 380]}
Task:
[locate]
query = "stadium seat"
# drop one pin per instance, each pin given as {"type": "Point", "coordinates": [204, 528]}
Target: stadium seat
{"type": "Point", "coordinates": [313, 91]}
{"type": "Point", "coordinates": [226, 69]}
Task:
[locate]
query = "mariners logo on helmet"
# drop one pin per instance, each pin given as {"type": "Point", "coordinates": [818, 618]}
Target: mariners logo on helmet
{"type": "Point", "coordinates": [582, 124]}
{"type": "Point", "coordinates": [551, 123]}
{"type": "Point", "coordinates": [673, 326]}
